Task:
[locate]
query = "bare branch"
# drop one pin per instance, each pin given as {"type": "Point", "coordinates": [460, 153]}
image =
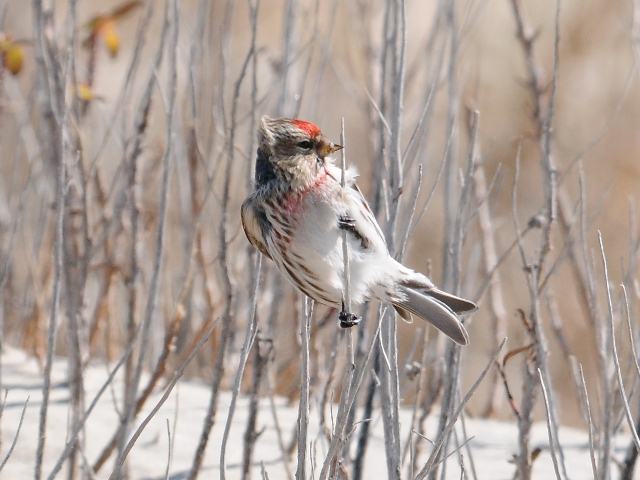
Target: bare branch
{"type": "Point", "coordinates": [250, 336]}
{"type": "Point", "coordinates": [16, 436]}
{"type": "Point", "coordinates": [303, 407]}
{"type": "Point", "coordinates": [435, 454]}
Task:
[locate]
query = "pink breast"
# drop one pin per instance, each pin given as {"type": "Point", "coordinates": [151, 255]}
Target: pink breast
{"type": "Point", "coordinates": [294, 201]}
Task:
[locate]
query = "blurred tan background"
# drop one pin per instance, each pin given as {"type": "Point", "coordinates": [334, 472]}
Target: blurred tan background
{"type": "Point", "coordinates": [331, 73]}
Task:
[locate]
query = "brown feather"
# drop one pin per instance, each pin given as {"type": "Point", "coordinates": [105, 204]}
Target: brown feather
{"type": "Point", "coordinates": [253, 226]}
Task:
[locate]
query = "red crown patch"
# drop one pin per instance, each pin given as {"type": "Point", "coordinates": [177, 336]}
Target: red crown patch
{"type": "Point", "coordinates": [311, 128]}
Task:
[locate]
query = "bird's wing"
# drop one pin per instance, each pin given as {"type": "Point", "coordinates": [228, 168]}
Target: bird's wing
{"type": "Point", "coordinates": [255, 224]}
{"type": "Point", "coordinates": [358, 218]}
{"type": "Point", "coordinates": [370, 226]}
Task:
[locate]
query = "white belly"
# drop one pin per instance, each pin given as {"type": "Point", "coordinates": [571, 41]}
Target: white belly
{"type": "Point", "coordinates": [317, 245]}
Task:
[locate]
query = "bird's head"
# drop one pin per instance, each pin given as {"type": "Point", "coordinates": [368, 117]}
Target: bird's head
{"type": "Point", "coordinates": [291, 140]}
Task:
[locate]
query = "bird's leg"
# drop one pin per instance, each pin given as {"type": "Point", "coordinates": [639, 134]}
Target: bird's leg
{"type": "Point", "coordinates": [348, 319]}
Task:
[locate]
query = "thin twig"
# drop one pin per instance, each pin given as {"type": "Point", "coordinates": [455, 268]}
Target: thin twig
{"type": "Point", "coordinates": [359, 373]}
{"type": "Point", "coordinates": [169, 451]}
{"type": "Point", "coordinates": [57, 104]}
{"type": "Point", "coordinates": [616, 360]}
{"type": "Point", "coordinates": [586, 412]}
{"type": "Point", "coordinates": [552, 443]}
{"type": "Point", "coordinates": [605, 344]}
{"type": "Point", "coordinates": [262, 355]}
{"type": "Point", "coordinates": [222, 238]}
{"type": "Point", "coordinates": [435, 454]}
{"type": "Point", "coordinates": [168, 389]}
{"type": "Point", "coordinates": [16, 436]}
{"type": "Point", "coordinates": [160, 231]}
{"type": "Point", "coordinates": [303, 407]}
{"type": "Point", "coordinates": [250, 336]}
{"type": "Point", "coordinates": [106, 384]}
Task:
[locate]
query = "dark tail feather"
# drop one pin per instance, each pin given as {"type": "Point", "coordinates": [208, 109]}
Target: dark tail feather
{"type": "Point", "coordinates": [404, 314]}
{"type": "Point", "coordinates": [457, 304]}
{"type": "Point", "coordinates": [436, 312]}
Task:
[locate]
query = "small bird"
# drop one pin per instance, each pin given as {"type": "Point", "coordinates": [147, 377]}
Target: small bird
{"type": "Point", "coordinates": [297, 215]}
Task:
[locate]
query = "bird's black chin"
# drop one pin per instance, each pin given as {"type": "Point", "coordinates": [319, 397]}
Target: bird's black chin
{"type": "Point", "coordinates": [265, 171]}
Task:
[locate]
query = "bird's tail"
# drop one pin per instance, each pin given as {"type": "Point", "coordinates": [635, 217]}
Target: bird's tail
{"type": "Point", "coordinates": [439, 308]}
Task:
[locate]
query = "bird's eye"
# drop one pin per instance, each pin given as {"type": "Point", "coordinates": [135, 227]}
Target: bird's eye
{"type": "Point", "coordinates": [305, 144]}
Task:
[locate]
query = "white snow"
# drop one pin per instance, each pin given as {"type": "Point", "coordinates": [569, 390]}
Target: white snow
{"type": "Point", "coordinates": [493, 442]}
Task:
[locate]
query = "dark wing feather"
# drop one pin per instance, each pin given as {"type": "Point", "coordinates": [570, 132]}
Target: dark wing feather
{"type": "Point", "coordinates": [255, 224]}
{"type": "Point", "coordinates": [367, 213]}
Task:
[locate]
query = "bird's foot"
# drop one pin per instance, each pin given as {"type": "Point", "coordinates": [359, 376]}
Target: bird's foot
{"type": "Point", "coordinates": [348, 320]}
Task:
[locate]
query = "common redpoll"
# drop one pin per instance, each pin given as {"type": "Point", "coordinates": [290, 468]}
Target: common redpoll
{"type": "Point", "coordinates": [296, 217]}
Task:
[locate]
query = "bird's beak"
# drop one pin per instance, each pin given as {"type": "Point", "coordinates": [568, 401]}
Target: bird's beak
{"type": "Point", "coordinates": [328, 148]}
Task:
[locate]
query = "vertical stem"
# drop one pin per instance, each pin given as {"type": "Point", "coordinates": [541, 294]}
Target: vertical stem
{"type": "Point", "coordinates": [552, 442]}
{"type": "Point", "coordinates": [223, 244]}
{"type": "Point", "coordinates": [303, 406]}
{"type": "Point", "coordinates": [390, 387]}
{"type": "Point", "coordinates": [606, 341]}
{"type": "Point", "coordinates": [450, 153]}
{"type": "Point", "coordinates": [350, 358]}
{"type": "Point", "coordinates": [160, 230]}
{"type": "Point", "coordinates": [358, 464]}
{"type": "Point", "coordinates": [345, 245]}
{"type": "Point", "coordinates": [499, 316]}
{"type": "Point", "coordinates": [284, 104]}
{"type": "Point", "coordinates": [452, 352]}
{"type": "Point", "coordinates": [54, 87]}
{"type": "Point", "coordinates": [53, 317]}
{"type": "Point", "coordinates": [262, 354]}
{"type": "Point", "coordinates": [250, 335]}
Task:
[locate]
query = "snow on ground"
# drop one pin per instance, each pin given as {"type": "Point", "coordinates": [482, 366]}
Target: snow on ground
{"type": "Point", "coordinates": [492, 445]}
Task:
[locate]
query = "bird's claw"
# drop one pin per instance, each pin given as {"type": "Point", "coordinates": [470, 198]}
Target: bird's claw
{"type": "Point", "coordinates": [348, 320]}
